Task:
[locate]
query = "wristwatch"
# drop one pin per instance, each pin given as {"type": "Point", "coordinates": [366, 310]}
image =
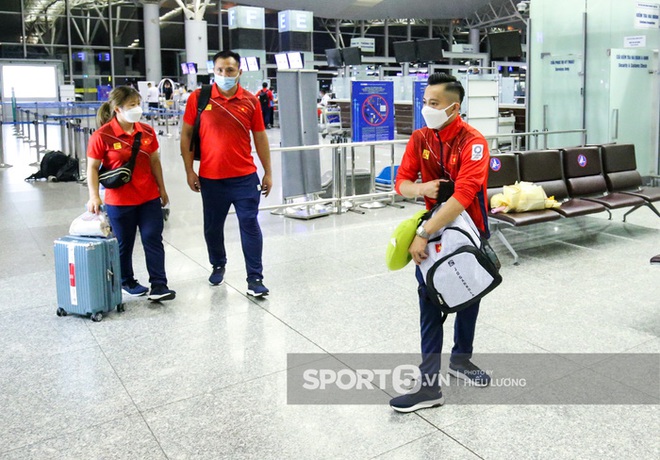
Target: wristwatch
{"type": "Point", "coordinates": [422, 233]}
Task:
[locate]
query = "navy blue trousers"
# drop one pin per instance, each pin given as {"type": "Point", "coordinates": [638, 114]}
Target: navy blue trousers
{"type": "Point", "coordinates": [430, 321]}
{"type": "Point", "coordinates": [217, 196]}
{"type": "Point", "coordinates": [125, 221]}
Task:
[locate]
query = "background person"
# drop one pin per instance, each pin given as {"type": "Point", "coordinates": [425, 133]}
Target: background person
{"type": "Point", "coordinates": [453, 159]}
{"type": "Point", "coordinates": [325, 98]}
{"type": "Point", "coordinates": [266, 99]}
{"type": "Point", "coordinates": [167, 90]}
{"type": "Point", "coordinates": [152, 98]}
{"type": "Point", "coordinates": [138, 203]}
{"type": "Point", "coordinates": [227, 173]}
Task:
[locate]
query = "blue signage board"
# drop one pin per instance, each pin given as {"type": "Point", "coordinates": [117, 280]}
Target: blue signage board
{"type": "Point", "coordinates": [418, 102]}
{"type": "Point", "coordinates": [372, 111]}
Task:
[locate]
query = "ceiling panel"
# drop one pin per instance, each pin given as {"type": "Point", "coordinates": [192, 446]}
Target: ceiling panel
{"type": "Point", "coordinates": [379, 9]}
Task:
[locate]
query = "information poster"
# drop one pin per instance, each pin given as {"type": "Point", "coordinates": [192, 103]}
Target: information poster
{"type": "Point", "coordinates": [647, 15]}
{"type": "Point", "coordinates": [418, 103]}
{"type": "Point", "coordinates": [372, 111]}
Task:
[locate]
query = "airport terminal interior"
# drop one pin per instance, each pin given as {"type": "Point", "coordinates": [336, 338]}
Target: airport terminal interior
{"type": "Point", "coordinates": [215, 372]}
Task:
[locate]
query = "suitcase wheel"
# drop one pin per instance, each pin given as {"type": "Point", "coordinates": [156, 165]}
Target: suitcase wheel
{"type": "Point", "coordinates": [96, 317]}
{"type": "Point", "coordinates": [61, 311]}
{"type": "Point", "coordinates": [121, 307]}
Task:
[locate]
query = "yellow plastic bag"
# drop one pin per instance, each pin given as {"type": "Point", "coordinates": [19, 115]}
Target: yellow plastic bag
{"type": "Point", "coordinates": [522, 197]}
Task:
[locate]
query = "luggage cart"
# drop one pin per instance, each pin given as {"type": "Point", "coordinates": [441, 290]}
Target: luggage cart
{"type": "Point", "coordinates": [330, 122]}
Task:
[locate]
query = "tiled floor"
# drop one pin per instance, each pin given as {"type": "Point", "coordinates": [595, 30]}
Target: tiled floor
{"type": "Point", "coordinates": [205, 376]}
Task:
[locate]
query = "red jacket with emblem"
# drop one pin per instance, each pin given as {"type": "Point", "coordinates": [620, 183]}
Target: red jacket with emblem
{"type": "Point", "coordinates": [457, 152]}
{"type": "Point", "coordinates": [112, 145]}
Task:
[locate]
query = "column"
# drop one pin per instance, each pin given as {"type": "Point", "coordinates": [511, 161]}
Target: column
{"type": "Point", "coordinates": [197, 47]}
{"type": "Point", "coordinates": [247, 37]}
{"type": "Point", "coordinates": [295, 28]}
{"type": "Point", "coordinates": [152, 39]}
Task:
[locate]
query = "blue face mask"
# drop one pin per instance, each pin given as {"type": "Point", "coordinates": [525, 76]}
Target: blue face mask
{"type": "Point", "coordinates": [225, 83]}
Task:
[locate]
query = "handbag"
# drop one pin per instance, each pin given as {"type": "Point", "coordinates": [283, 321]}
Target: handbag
{"type": "Point", "coordinates": [115, 178]}
{"type": "Point", "coordinates": [461, 267]}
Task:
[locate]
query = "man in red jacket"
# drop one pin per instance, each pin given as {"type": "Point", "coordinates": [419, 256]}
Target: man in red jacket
{"type": "Point", "coordinates": [452, 158]}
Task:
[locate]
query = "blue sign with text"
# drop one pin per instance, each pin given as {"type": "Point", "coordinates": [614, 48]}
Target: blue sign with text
{"type": "Point", "coordinates": [418, 103]}
{"type": "Point", "coordinates": [372, 111]}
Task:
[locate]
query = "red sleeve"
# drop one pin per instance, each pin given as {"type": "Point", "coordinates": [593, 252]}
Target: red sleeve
{"type": "Point", "coordinates": [96, 148]}
{"type": "Point", "coordinates": [191, 108]}
{"type": "Point", "coordinates": [410, 163]}
{"type": "Point", "coordinates": [473, 171]}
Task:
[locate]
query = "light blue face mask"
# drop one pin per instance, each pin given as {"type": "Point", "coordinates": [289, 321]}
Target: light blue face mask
{"type": "Point", "coordinates": [225, 83]}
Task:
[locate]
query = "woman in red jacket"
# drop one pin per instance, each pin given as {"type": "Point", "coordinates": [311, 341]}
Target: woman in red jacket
{"type": "Point", "coordinates": [138, 203]}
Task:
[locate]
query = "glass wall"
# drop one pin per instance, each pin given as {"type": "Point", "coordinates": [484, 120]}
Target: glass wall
{"type": "Point", "coordinates": [594, 65]}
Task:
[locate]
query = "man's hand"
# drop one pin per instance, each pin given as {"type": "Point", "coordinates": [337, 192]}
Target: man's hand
{"type": "Point", "coordinates": [193, 181]}
{"type": "Point", "coordinates": [418, 249]}
{"type": "Point", "coordinates": [266, 184]}
{"type": "Point", "coordinates": [164, 199]}
{"type": "Point", "coordinates": [430, 189]}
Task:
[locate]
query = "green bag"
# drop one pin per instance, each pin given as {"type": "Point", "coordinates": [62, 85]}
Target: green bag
{"type": "Point", "coordinates": [397, 255]}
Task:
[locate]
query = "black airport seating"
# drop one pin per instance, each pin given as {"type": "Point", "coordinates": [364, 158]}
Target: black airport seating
{"type": "Point", "coordinates": [544, 168]}
{"type": "Point", "coordinates": [504, 171]}
{"type": "Point", "coordinates": [585, 179]}
{"type": "Point", "coordinates": [621, 175]}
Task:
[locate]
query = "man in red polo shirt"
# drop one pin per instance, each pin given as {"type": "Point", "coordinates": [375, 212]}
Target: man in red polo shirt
{"type": "Point", "coordinates": [452, 158]}
{"type": "Point", "coordinates": [227, 173]}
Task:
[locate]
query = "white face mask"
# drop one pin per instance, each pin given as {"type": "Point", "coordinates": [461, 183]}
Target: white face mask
{"type": "Point", "coordinates": [132, 115]}
{"type": "Point", "coordinates": [435, 118]}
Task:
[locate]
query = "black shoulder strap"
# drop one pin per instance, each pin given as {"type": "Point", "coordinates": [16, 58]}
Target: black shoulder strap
{"type": "Point", "coordinates": [134, 150]}
{"type": "Point", "coordinates": [202, 102]}
{"type": "Point", "coordinates": [444, 317]}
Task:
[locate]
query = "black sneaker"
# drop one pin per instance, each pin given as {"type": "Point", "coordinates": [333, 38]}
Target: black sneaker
{"type": "Point", "coordinates": [217, 277]}
{"type": "Point", "coordinates": [422, 399]}
{"type": "Point", "coordinates": [133, 288]}
{"type": "Point", "coordinates": [256, 288]}
{"type": "Point", "coordinates": [161, 292]}
{"type": "Point", "coordinates": [467, 371]}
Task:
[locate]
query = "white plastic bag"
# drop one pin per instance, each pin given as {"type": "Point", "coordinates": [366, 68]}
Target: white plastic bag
{"type": "Point", "coordinates": [90, 224]}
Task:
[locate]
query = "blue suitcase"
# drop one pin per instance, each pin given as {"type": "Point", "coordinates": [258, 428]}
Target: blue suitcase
{"type": "Point", "coordinates": [88, 277]}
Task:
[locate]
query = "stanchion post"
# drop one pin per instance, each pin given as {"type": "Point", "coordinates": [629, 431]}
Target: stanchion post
{"type": "Point", "coordinates": [372, 178]}
{"type": "Point", "coordinates": [3, 165]}
{"type": "Point", "coordinates": [36, 134]}
{"type": "Point", "coordinates": [69, 137]}
{"type": "Point", "coordinates": [18, 127]}
{"type": "Point", "coordinates": [45, 123]}
{"type": "Point", "coordinates": [28, 123]}
{"type": "Point", "coordinates": [63, 135]}
{"type": "Point", "coordinates": [336, 176]}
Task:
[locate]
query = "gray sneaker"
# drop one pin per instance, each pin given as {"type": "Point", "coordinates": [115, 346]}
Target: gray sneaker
{"type": "Point", "coordinates": [466, 370]}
